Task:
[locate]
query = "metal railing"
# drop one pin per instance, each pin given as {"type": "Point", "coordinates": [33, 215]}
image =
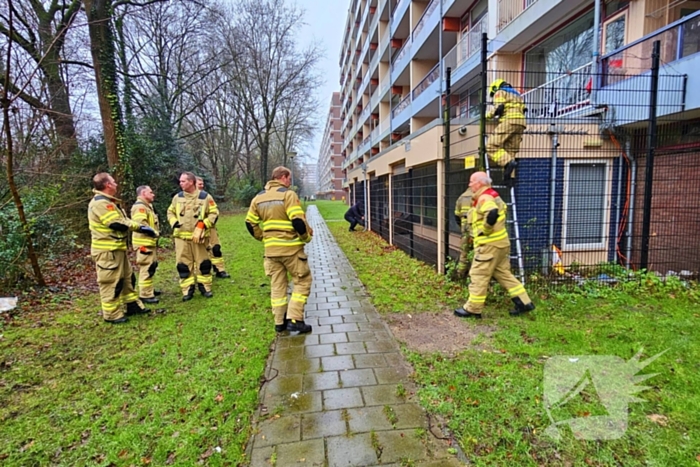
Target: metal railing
{"type": "Point", "coordinates": [384, 41]}
{"type": "Point", "coordinates": [374, 136]}
{"type": "Point", "coordinates": [679, 39]}
{"type": "Point", "coordinates": [401, 106]}
{"type": "Point", "coordinates": [385, 124]}
{"type": "Point", "coordinates": [424, 17]}
{"type": "Point", "coordinates": [374, 100]}
{"type": "Point", "coordinates": [364, 114]}
{"type": "Point", "coordinates": [402, 52]}
{"type": "Point", "coordinates": [429, 79]}
{"type": "Point", "coordinates": [560, 95]}
{"type": "Point", "coordinates": [396, 8]}
{"type": "Point", "coordinates": [509, 10]}
{"type": "Point", "coordinates": [468, 45]}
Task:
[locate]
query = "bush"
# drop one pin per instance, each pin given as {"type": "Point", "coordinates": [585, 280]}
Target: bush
{"type": "Point", "coordinates": [243, 191]}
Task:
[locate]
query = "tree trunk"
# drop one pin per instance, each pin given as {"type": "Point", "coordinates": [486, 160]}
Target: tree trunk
{"type": "Point", "coordinates": [6, 102]}
{"type": "Point", "coordinates": [99, 13]}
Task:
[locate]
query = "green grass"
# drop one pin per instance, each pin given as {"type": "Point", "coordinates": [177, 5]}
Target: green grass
{"type": "Point", "coordinates": [493, 398]}
{"type": "Point", "coordinates": [176, 387]}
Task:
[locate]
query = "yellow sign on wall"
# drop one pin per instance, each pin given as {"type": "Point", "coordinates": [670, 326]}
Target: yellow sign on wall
{"type": "Point", "coordinates": [469, 162]}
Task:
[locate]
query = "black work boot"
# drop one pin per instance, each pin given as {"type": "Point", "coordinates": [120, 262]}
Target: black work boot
{"type": "Point", "coordinates": [133, 308]}
{"type": "Point", "coordinates": [222, 275]}
{"type": "Point", "coordinates": [152, 300]}
{"type": "Point", "coordinates": [157, 292]}
{"type": "Point", "coordinates": [520, 307]}
{"type": "Point", "coordinates": [121, 320]}
{"type": "Point", "coordinates": [190, 294]}
{"type": "Point", "coordinates": [204, 291]}
{"type": "Point", "coordinates": [298, 325]}
{"type": "Point", "coordinates": [462, 313]}
{"type": "Point", "coordinates": [281, 327]}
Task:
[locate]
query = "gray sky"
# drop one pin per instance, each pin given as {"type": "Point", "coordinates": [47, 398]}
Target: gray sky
{"type": "Point", "coordinates": [325, 21]}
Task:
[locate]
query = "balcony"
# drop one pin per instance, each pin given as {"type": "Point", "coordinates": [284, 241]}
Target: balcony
{"type": "Point", "coordinates": [560, 96]}
{"type": "Point", "coordinates": [509, 10]}
{"type": "Point", "coordinates": [429, 79]}
{"type": "Point", "coordinates": [468, 46]}
{"type": "Point", "coordinates": [678, 40]}
{"type": "Point", "coordinates": [401, 106]}
{"type": "Point", "coordinates": [398, 63]}
{"type": "Point", "coordinates": [424, 17]}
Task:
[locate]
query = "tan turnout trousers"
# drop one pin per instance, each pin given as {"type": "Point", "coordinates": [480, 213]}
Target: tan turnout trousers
{"type": "Point", "coordinates": [192, 255]}
{"type": "Point", "coordinates": [277, 269]}
{"type": "Point", "coordinates": [114, 277]}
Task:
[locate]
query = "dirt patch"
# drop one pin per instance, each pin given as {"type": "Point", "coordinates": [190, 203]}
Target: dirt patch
{"type": "Point", "coordinates": [439, 332]}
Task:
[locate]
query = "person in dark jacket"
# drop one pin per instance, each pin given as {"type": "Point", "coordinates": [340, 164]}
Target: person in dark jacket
{"type": "Point", "coordinates": [355, 216]}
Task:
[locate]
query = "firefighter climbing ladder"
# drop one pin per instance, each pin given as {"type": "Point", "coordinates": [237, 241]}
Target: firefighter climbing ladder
{"type": "Point", "coordinates": [511, 220]}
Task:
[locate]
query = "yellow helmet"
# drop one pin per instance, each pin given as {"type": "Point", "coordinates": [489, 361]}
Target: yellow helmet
{"type": "Point", "coordinates": [495, 86]}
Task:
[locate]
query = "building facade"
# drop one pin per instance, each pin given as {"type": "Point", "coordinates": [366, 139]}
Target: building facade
{"type": "Point", "coordinates": [330, 160]}
{"type": "Point", "coordinates": [583, 68]}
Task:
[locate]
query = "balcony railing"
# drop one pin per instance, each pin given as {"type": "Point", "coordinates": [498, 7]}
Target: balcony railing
{"type": "Point", "coordinates": [402, 53]}
{"type": "Point", "coordinates": [374, 100]}
{"type": "Point", "coordinates": [424, 17]}
{"type": "Point", "coordinates": [401, 106]}
{"type": "Point", "coordinates": [384, 85]}
{"type": "Point", "coordinates": [384, 41]}
{"type": "Point", "coordinates": [560, 95]}
{"type": "Point", "coordinates": [375, 60]}
{"type": "Point", "coordinates": [509, 10]}
{"type": "Point", "coordinates": [396, 8]}
{"type": "Point", "coordinates": [384, 124]}
{"type": "Point", "coordinates": [468, 45]}
{"type": "Point", "coordinates": [679, 39]}
{"type": "Point", "coordinates": [374, 136]}
{"type": "Point", "coordinates": [364, 114]}
{"type": "Point", "coordinates": [429, 79]}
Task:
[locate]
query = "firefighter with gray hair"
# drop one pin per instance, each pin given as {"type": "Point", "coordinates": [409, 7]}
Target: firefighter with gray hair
{"type": "Point", "coordinates": [145, 246]}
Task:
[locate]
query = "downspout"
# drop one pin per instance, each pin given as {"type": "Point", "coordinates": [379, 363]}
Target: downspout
{"type": "Point", "coordinates": [554, 132]}
{"type": "Point", "coordinates": [596, 53]}
{"type": "Point", "coordinates": [442, 61]}
{"type": "Point", "coordinates": [633, 192]}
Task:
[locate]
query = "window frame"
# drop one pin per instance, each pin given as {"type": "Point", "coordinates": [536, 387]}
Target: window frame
{"type": "Point", "coordinates": [611, 19]}
{"type": "Point", "coordinates": [605, 224]}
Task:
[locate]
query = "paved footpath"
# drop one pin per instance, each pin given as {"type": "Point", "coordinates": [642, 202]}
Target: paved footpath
{"type": "Point", "coordinates": [341, 395]}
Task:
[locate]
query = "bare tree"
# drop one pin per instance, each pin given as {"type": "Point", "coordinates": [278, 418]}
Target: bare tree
{"type": "Point", "coordinates": [40, 33]}
{"type": "Point", "coordinates": [271, 72]}
{"type": "Point", "coordinates": [7, 103]}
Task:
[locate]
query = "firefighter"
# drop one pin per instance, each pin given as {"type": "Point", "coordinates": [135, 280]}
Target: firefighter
{"type": "Point", "coordinates": [145, 246]}
{"type": "Point", "coordinates": [109, 229]}
{"type": "Point", "coordinates": [492, 251]}
{"type": "Point", "coordinates": [214, 247]}
{"type": "Point", "coordinates": [192, 214]}
{"type": "Point", "coordinates": [276, 218]}
{"type": "Point", "coordinates": [355, 216]}
{"type": "Point", "coordinates": [503, 145]}
{"type": "Point", "coordinates": [463, 212]}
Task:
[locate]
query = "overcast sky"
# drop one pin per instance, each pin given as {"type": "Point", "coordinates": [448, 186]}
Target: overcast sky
{"type": "Point", "coordinates": [324, 20]}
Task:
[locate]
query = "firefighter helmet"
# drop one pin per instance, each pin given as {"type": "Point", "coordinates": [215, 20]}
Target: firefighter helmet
{"type": "Point", "coordinates": [495, 86]}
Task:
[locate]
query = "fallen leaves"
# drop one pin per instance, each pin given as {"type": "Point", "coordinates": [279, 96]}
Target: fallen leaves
{"type": "Point", "coordinates": [661, 420]}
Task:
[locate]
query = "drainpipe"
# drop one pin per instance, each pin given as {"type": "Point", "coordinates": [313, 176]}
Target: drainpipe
{"type": "Point", "coordinates": [633, 192]}
{"type": "Point", "coordinates": [596, 52]}
{"type": "Point", "coordinates": [554, 133]}
{"type": "Point", "coordinates": [442, 61]}
{"type": "Point", "coordinates": [618, 210]}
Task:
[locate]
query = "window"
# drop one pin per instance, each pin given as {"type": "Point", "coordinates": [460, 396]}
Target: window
{"type": "Point", "coordinates": [586, 213]}
{"type": "Point", "coordinates": [469, 102]}
{"type": "Point", "coordinates": [614, 33]}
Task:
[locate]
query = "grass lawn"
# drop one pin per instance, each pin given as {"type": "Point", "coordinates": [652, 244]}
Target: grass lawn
{"type": "Point", "coordinates": [178, 386]}
{"type": "Point", "coordinates": [493, 397]}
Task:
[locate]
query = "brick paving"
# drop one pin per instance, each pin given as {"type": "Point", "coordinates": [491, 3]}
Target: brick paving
{"type": "Point", "coordinates": [341, 395]}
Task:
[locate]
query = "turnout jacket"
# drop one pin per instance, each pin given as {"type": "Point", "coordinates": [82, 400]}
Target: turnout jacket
{"type": "Point", "coordinates": [190, 208]}
{"type": "Point", "coordinates": [109, 225]}
{"type": "Point", "coordinates": [143, 213]}
{"type": "Point", "coordinates": [492, 233]}
{"type": "Point", "coordinates": [270, 219]}
{"type": "Point", "coordinates": [508, 104]}
{"type": "Point", "coordinates": [463, 209]}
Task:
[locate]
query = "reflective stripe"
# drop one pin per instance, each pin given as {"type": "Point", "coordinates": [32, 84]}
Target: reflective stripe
{"type": "Point", "coordinates": [277, 225]}
{"type": "Point", "coordinates": [494, 237]}
{"type": "Point", "coordinates": [517, 290]}
{"type": "Point", "coordinates": [275, 302]}
{"type": "Point", "coordinates": [267, 242]}
{"type": "Point", "coordinates": [297, 297]}
{"type": "Point", "coordinates": [108, 245]}
{"type": "Point", "coordinates": [132, 297]}
{"type": "Point", "coordinates": [108, 216]}
{"type": "Point", "coordinates": [187, 282]}
{"type": "Point", "coordinates": [140, 241]}
{"type": "Point", "coordinates": [94, 226]}
{"type": "Point", "coordinates": [204, 279]}
{"type": "Point", "coordinates": [477, 298]}
{"type": "Point", "coordinates": [252, 218]}
{"type": "Point", "coordinates": [146, 282]}
{"type": "Point", "coordinates": [110, 306]}
{"type": "Point", "coordinates": [294, 210]}
{"type": "Point", "coordinates": [488, 206]}
{"type": "Point", "coordinates": [183, 235]}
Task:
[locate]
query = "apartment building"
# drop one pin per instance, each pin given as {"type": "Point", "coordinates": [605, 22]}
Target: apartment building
{"type": "Point", "coordinates": [330, 160]}
{"type": "Point", "coordinates": [308, 174]}
{"type": "Point", "coordinates": [582, 66]}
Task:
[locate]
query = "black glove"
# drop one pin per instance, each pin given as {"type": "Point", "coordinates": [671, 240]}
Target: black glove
{"type": "Point", "coordinates": [176, 225]}
{"type": "Point", "coordinates": [147, 231]}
